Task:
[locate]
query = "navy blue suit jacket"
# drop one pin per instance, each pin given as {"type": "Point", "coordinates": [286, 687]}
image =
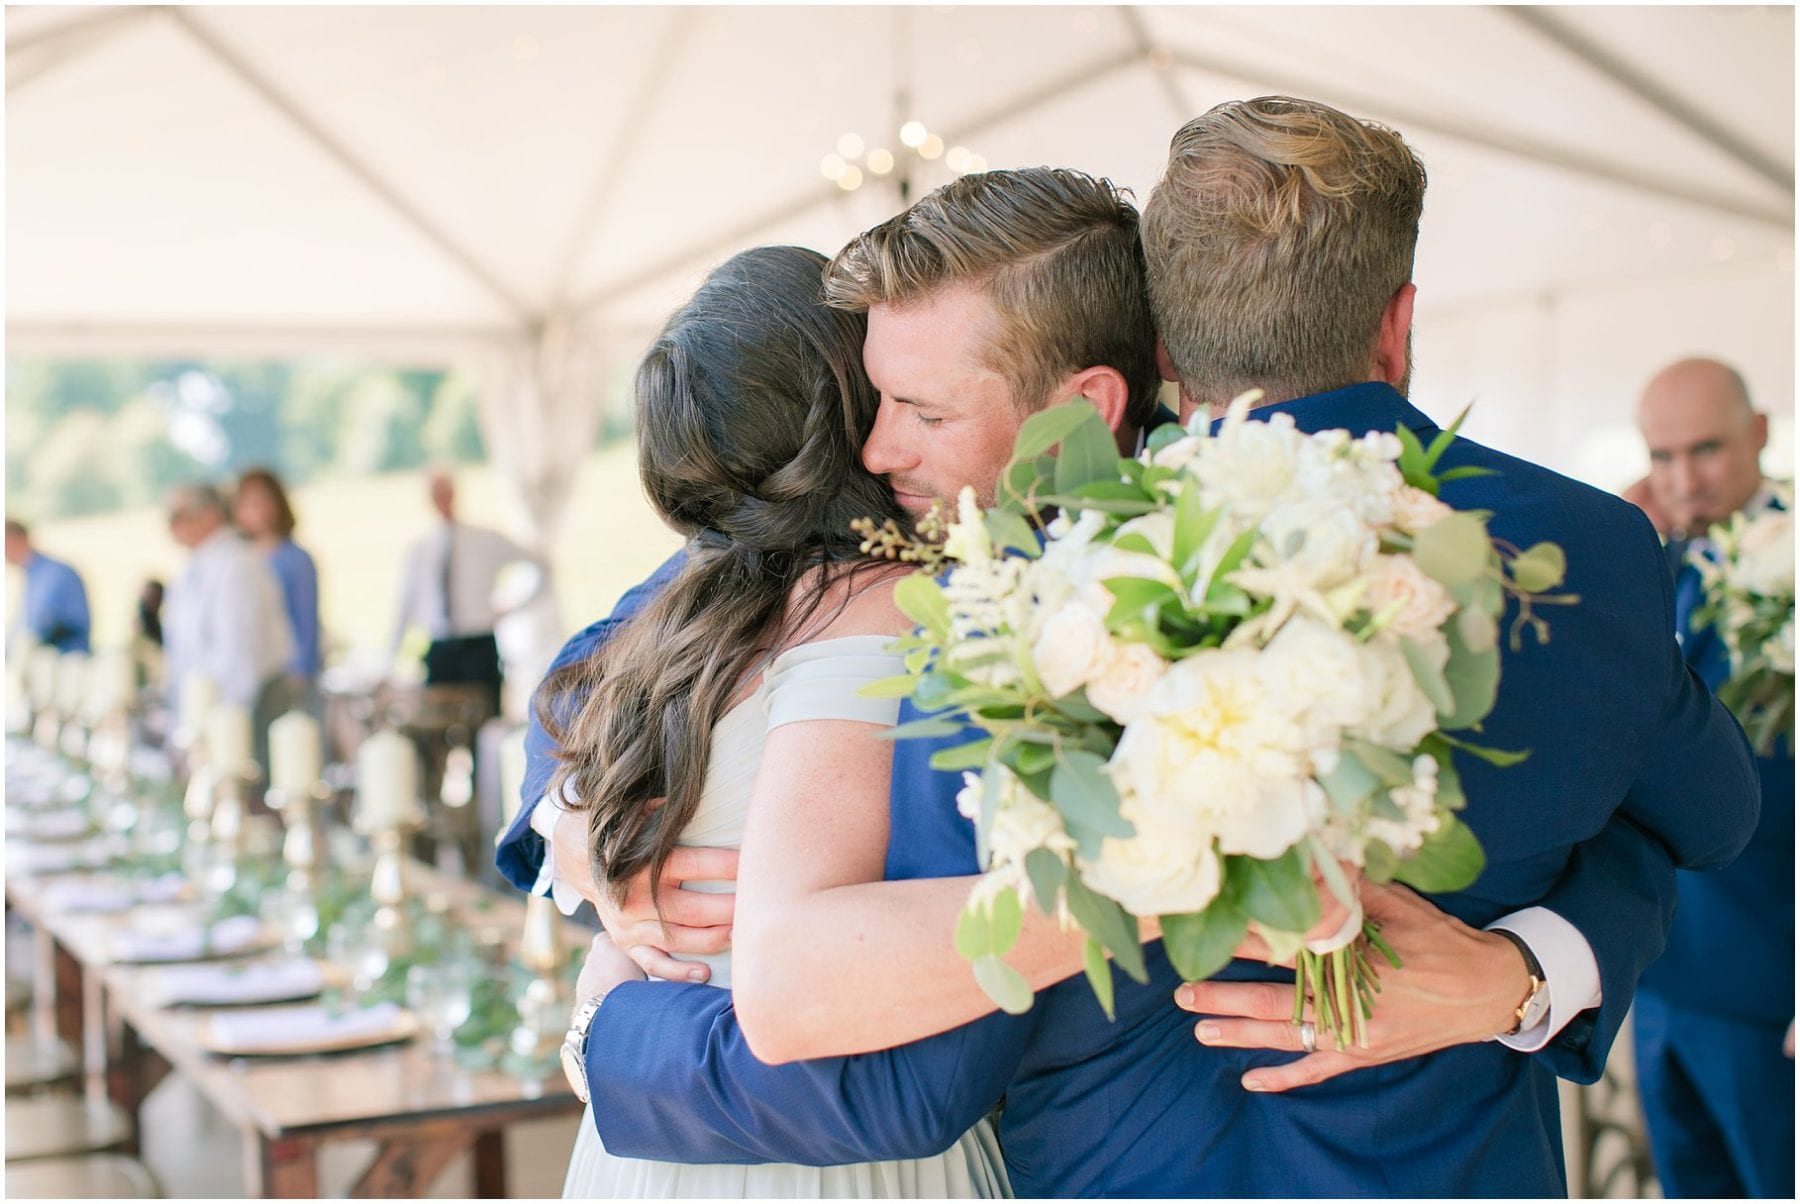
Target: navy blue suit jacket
{"type": "Point", "coordinates": [1731, 949]}
{"type": "Point", "coordinates": [1635, 769]}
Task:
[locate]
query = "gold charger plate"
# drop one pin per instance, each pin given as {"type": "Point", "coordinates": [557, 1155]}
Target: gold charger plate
{"type": "Point", "coordinates": [404, 1028]}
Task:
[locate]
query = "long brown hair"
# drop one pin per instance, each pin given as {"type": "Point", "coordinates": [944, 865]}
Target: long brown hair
{"type": "Point", "coordinates": [752, 408]}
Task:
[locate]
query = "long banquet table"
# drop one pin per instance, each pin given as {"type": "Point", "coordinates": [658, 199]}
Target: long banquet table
{"type": "Point", "coordinates": [422, 1110]}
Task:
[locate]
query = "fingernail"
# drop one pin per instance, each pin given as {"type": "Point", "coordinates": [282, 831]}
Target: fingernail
{"type": "Point", "coordinates": [1207, 1032]}
{"type": "Point", "coordinates": [1254, 1085]}
{"type": "Point", "coordinates": [696, 975]}
{"type": "Point", "coordinates": [1185, 997]}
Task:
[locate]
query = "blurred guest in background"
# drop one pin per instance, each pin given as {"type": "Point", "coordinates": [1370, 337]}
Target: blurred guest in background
{"type": "Point", "coordinates": [1714, 1013]}
{"type": "Point", "coordinates": [149, 612]}
{"type": "Point", "coordinates": [260, 507]}
{"type": "Point", "coordinates": [54, 607]}
{"type": "Point", "coordinates": [447, 588]}
{"type": "Point", "coordinates": [224, 617]}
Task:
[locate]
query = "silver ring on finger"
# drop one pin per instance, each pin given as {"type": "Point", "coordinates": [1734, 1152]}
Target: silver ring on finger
{"type": "Point", "coordinates": [1309, 1036]}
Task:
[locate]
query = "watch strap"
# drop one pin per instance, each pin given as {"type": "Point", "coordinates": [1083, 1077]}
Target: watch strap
{"type": "Point", "coordinates": [1534, 969]}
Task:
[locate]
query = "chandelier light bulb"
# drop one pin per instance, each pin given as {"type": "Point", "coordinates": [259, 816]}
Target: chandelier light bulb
{"type": "Point", "coordinates": [881, 161]}
{"type": "Point", "coordinates": [850, 145]}
{"type": "Point", "coordinates": [831, 166]}
{"type": "Point", "coordinates": [851, 179]}
{"type": "Point", "coordinates": [932, 147]}
{"type": "Point", "coordinates": [913, 134]}
{"type": "Point", "coordinates": [958, 159]}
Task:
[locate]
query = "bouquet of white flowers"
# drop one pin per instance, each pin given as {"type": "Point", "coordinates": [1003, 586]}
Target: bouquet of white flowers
{"type": "Point", "coordinates": [1226, 670]}
{"type": "Point", "coordinates": [1749, 598]}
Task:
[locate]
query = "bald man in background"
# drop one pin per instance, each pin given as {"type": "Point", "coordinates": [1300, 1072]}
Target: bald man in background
{"type": "Point", "coordinates": [1713, 1014]}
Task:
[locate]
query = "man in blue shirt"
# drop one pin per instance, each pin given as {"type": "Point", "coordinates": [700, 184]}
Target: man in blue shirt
{"type": "Point", "coordinates": [1140, 1107]}
{"type": "Point", "coordinates": [54, 607]}
{"type": "Point", "coordinates": [1712, 1015]}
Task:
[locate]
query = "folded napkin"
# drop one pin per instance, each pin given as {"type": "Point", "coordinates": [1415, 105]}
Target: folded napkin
{"type": "Point", "coordinates": [245, 982]}
{"type": "Point", "coordinates": [299, 1028]}
{"type": "Point", "coordinates": [90, 895]}
{"type": "Point", "coordinates": [227, 936]}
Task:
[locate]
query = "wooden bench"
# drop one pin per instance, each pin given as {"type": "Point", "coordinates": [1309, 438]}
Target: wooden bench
{"type": "Point", "coordinates": [94, 1177]}
{"type": "Point", "coordinates": [59, 1126]}
{"type": "Point", "coordinates": [33, 1063]}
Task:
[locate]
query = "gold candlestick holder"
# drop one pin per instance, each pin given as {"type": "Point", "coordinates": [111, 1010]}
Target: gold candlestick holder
{"type": "Point", "coordinates": [225, 827]}
{"type": "Point", "coordinates": [544, 1007]}
{"type": "Point", "coordinates": [299, 811]}
{"type": "Point", "coordinates": [389, 837]}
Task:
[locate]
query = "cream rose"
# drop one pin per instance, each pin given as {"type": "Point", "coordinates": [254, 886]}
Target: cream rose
{"type": "Point", "coordinates": [1765, 559]}
{"type": "Point", "coordinates": [1780, 649]}
{"type": "Point", "coordinates": [1414, 509]}
{"type": "Point", "coordinates": [1071, 648]}
{"type": "Point", "coordinates": [1419, 606]}
{"type": "Point", "coordinates": [1400, 715]}
{"type": "Point", "coordinates": [1122, 686]}
{"type": "Point", "coordinates": [1155, 873]}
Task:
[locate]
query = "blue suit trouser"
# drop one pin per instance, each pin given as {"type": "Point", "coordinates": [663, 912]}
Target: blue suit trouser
{"type": "Point", "coordinates": [1718, 1099]}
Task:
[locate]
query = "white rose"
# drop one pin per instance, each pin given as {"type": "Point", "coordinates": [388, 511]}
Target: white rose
{"type": "Point", "coordinates": [1414, 509]}
{"type": "Point", "coordinates": [1151, 874]}
{"type": "Point", "coordinates": [1122, 686]}
{"type": "Point", "coordinates": [1780, 649]}
{"type": "Point", "coordinates": [1024, 822]}
{"type": "Point", "coordinates": [1765, 560]}
{"type": "Point", "coordinates": [1400, 714]}
{"type": "Point", "coordinates": [1070, 649]}
{"type": "Point", "coordinates": [1178, 454]}
{"type": "Point", "coordinates": [1318, 676]}
{"type": "Point", "coordinates": [1420, 605]}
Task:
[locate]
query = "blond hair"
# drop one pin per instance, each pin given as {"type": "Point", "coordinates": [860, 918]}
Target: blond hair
{"type": "Point", "coordinates": [1277, 236]}
{"type": "Point", "coordinates": [1057, 253]}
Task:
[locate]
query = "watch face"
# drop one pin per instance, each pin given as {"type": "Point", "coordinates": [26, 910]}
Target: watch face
{"type": "Point", "coordinates": [575, 1071]}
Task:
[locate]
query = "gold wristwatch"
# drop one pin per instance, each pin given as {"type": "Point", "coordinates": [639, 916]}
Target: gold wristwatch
{"type": "Point", "coordinates": [1531, 1009]}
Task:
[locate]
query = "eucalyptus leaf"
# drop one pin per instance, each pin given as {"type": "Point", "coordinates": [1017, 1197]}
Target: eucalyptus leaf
{"type": "Point", "coordinates": [1451, 859]}
{"type": "Point", "coordinates": [1349, 782]}
{"type": "Point", "coordinates": [1539, 568]}
{"type": "Point", "coordinates": [1430, 678]}
{"type": "Point", "coordinates": [1099, 975]}
{"type": "Point", "coordinates": [922, 600]}
{"type": "Point", "coordinates": [1089, 453]}
{"type": "Point", "coordinates": [972, 755]}
{"type": "Point", "coordinates": [1084, 794]}
{"type": "Point", "coordinates": [1105, 921]}
{"type": "Point", "coordinates": [919, 729]}
{"type": "Point", "coordinates": [899, 686]}
{"type": "Point", "coordinates": [1454, 549]}
{"type": "Point", "coordinates": [1164, 435]}
{"type": "Point", "coordinates": [1007, 916]}
{"type": "Point", "coordinates": [1046, 428]}
{"type": "Point", "coordinates": [974, 933]}
{"type": "Point", "coordinates": [1004, 985]}
{"type": "Point", "coordinates": [1200, 944]}
{"type": "Point", "coordinates": [1278, 893]}
{"type": "Point", "coordinates": [1047, 872]}
{"type": "Point", "coordinates": [1479, 630]}
{"type": "Point", "coordinates": [1009, 530]}
{"type": "Point", "coordinates": [1474, 680]}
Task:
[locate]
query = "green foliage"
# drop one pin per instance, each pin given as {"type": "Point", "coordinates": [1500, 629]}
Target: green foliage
{"type": "Point", "coordinates": [1451, 859]}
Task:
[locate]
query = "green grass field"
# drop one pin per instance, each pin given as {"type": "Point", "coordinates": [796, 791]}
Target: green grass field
{"type": "Point", "coordinates": [358, 531]}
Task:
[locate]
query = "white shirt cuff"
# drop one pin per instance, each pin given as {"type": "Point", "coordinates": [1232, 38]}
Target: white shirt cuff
{"type": "Point", "coordinates": [1570, 970]}
{"type": "Point", "coordinates": [545, 815]}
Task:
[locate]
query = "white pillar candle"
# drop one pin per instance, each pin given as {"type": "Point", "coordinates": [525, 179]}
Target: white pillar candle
{"type": "Point", "coordinates": [294, 758]}
{"type": "Point", "coordinates": [40, 675]}
{"type": "Point", "coordinates": [512, 775]}
{"type": "Point", "coordinates": [228, 738]}
{"type": "Point", "coordinates": [112, 684]}
{"type": "Point", "coordinates": [199, 695]}
{"type": "Point", "coordinates": [71, 682]}
{"type": "Point", "coordinates": [387, 780]}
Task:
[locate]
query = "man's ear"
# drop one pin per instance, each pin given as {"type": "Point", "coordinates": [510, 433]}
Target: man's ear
{"type": "Point", "coordinates": [1164, 365]}
{"type": "Point", "coordinates": [1106, 388]}
{"type": "Point", "coordinates": [1760, 430]}
{"type": "Point", "coordinates": [1389, 361]}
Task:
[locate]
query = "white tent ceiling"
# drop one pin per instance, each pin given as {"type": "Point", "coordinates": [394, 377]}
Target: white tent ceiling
{"type": "Point", "coordinates": [429, 179]}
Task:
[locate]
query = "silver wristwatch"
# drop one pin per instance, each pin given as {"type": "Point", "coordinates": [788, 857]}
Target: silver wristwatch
{"type": "Point", "coordinates": [574, 1048]}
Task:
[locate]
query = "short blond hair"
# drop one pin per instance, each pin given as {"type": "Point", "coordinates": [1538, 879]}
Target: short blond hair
{"type": "Point", "coordinates": [1277, 236]}
{"type": "Point", "coordinates": [1057, 253]}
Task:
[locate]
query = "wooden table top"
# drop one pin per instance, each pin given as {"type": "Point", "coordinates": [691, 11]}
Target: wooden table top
{"type": "Point", "coordinates": [290, 1096]}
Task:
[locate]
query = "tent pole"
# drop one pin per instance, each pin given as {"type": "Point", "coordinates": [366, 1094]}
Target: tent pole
{"type": "Point", "coordinates": [345, 158]}
{"type": "Point", "coordinates": [1159, 60]}
{"type": "Point", "coordinates": [1652, 92]}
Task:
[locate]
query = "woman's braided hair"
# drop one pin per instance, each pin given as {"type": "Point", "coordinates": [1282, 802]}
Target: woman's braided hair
{"type": "Point", "coordinates": [752, 411]}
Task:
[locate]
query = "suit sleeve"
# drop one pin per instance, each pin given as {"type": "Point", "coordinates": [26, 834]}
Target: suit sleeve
{"type": "Point", "coordinates": [673, 1080]}
{"type": "Point", "coordinates": [520, 854]}
{"type": "Point", "coordinates": [1693, 805]}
